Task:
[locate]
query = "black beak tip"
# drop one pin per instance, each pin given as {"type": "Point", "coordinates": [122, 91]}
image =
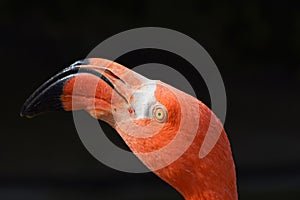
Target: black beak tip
{"type": "Point", "coordinates": [41, 105]}
{"type": "Point", "coordinates": [27, 112]}
{"type": "Point", "coordinates": [47, 97]}
{"type": "Point", "coordinates": [23, 113]}
{"type": "Point", "coordinates": [26, 115]}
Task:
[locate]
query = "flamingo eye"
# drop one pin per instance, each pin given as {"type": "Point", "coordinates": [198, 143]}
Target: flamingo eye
{"type": "Point", "coordinates": [160, 114]}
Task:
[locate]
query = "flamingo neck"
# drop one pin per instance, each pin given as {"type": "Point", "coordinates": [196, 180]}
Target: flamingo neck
{"type": "Point", "coordinates": [209, 178]}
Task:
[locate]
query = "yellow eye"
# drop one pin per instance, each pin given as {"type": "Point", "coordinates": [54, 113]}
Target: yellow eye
{"type": "Point", "coordinates": [160, 114]}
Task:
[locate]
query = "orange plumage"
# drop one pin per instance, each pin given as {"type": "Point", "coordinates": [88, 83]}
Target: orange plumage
{"type": "Point", "coordinates": [117, 100]}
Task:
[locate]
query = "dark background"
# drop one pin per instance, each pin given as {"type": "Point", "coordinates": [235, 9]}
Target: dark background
{"type": "Point", "coordinates": [256, 46]}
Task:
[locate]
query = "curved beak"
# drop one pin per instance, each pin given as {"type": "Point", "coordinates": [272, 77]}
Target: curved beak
{"type": "Point", "coordinates": [96, 80]}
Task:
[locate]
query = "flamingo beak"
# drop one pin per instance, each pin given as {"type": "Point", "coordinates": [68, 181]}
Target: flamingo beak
{"type": "Point", "coordinates": [93, 92]}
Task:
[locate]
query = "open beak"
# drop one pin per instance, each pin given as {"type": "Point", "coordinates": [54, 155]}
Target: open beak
{"type": "Point", "coordinates": [85, 85]}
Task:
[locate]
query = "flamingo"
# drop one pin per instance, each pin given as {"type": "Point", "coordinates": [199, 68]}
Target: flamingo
{"type": "Point", "coordinates": [148, 115]}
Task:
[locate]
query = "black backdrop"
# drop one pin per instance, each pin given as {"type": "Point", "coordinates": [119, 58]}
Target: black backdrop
{"type": "Point", "coordinates": [256, 46]}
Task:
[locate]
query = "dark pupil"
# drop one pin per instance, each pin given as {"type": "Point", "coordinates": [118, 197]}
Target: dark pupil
{"type": "Point", "coordinates": [159, 114]}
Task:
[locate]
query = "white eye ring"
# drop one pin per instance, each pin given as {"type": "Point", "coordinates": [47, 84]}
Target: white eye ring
{"type": "Point", "coordinates": [160, 114]}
